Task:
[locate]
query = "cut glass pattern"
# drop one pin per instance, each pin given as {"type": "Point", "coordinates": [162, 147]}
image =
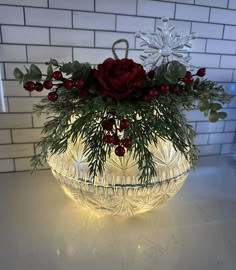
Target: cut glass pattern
{"type": "Point", "coordinates": [118, 191]}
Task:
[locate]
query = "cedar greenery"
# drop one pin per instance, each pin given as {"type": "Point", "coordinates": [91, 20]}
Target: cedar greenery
{"type": "Point", "coordinates": [75, 115]}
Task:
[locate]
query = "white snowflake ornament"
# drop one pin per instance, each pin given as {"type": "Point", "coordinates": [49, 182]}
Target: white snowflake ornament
{"type": "Point", "coordinates": [165, 45]}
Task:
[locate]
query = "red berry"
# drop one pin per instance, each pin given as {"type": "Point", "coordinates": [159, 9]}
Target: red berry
{"type": "Point", "coordinates": [187, 79]}
{"type": "Point", "coordinates": [116, 140]}
{"type": "Point", "coordinates": [38, 87]}
{"type": "Point", "coordinates": [108, 138]}
{"type": "Point", "coordinates": [67, 84]}
{"type": "Point", "coordinates": [188, 74]}
{"type": "Point", "coordinates": [52, 96]}
{"type": "Point", "coordinates": [124, 123]}
{"type": "Point", "coordinates": [120, 151]}
{"type": "Point", "coordinates": [107, 125]}
{"type": "Point", "coordinates": [47, 84]}
{"type": "Point", "coordinates": [29, 86]}
{"type": "Point", "coordinates": [173, 89]}
{"type": "Point", "coordinates": [151, 74]}
{"type": "Point", "coordinates": [201, 72]}
{"type": "Point", "coordinates": [57, 75]}
{"type": "Point", "coordinates": [127, 142]}
{"type": "Point", "coordinates": [164, 88]}
{"type": "Point", "coordinates": [112, 120]}
{"type": "Point", "coordinates": [79, 84]}
{"type": "Point", "coordinates": [153, 93]}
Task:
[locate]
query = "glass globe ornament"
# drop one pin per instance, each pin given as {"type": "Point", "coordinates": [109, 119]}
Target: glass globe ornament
{"type": "Point", "coordinates": [118, 191]}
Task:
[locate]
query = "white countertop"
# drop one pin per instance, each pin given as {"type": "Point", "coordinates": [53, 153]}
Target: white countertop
{"type": "Point", "coordinates": [42, 229]}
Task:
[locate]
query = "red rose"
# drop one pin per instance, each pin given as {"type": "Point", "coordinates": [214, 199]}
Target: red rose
{"type": "Point", "coordinates": [120, 77]}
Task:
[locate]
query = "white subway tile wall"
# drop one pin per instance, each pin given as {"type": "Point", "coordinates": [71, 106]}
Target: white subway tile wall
{"type": "Point", "coordinates": [25, 35]}
{"type": "Point", "coordinates": [206, 60]}
{"type": "Point", "coordinates": [11, 15]}
{"type": "Point", "coordinates": [32, 31]}
{"type": "Point", "coordinates": [89, 20]}
{"type": "Point", "coordinates": [43, 53]}
{"type": "Point", "coordinates": [72, 4]}
{"type": "Point", "coordinates": [48, 17]}
{"type": "Point", "coordinates": [212, 3]}
{"type": "Point", "coordinates": [232, 4]}
{"type": "Point", "coordinates": [230, 32]}
{"type": "Point", "coordinates": [223, 16]}
{"type": "Point", "coordinates": [220, 75]}
{"type": "Point", "coordinates": [12, 53]}
{"type": "Point", "coordinates": [131, 24]}
{"type": "Point", "coordinates": [156, 9]}
{"type": "Point", "coordinates": [221, 46]}
{"type": "Point", "coordinates": [192, 12]}
{"type": "Point", "coordinates": [32, 3]}
{"type": "Point", "coordinates": [118, 7]}
{"type": "Point", "coordinates": [208, 30]}
{"type": "Point", "coordinates": [72, 37]}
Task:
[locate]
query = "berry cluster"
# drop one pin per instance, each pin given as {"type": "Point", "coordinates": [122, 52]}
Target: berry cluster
{"type": "Point", "coordinates": [112, 126]}
{"type": "Point", "coordinates": [49, 85]}
{"type": "Point", "coordinates": [188, 78]}
{"type": "Point", "coordinates": [166, 88]}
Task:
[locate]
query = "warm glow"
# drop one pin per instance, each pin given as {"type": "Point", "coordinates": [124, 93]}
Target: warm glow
{"type": "Point", "coordinates": [118, 191]}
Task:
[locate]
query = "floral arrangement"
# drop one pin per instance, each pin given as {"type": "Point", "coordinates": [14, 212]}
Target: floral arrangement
{"type": "Point", "coordinates": [122, 107]}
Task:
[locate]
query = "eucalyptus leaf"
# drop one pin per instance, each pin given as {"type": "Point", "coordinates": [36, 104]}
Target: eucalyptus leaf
{"type": "Point", "coordinates": [222, 115]}
{"type": "Point", "coordinates": [176, 69]}
{"type": "Point", "coordinates": [26, 78]}
{"type": "Point", "coordinates": [76, 66]}
{"type": "Point", "coordinates": [49, 72]}
{"type": "Point", "coordinates": [161, 70]}
{"type": "Point", "coordinates": [171, 79]}
{"type": "Point", "coordinates": [67, 68]}
{"type": "Point", "coordinates": [53, 62]}
{"type": "Point", "coordinates": [214, 116]}
{"type": "Point", "coordinates": [35, 73]}
{"type": "Point", "coordinates": [216, 106]}
{"type": "Point", "coordinates": [203, 105]}
{"type": "Point", "coordinates": [18, 74]}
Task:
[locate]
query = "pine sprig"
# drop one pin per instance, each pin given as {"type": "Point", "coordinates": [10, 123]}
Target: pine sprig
{"type": "Point", "coordinates": [78, 108]}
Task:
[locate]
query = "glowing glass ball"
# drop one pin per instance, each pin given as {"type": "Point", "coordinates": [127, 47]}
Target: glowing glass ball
{"type": "Point", "coordinates": [118, 191]}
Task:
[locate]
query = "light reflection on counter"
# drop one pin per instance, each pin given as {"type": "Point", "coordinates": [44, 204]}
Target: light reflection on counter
{"type": "Point", "coordinates": [41, 228]}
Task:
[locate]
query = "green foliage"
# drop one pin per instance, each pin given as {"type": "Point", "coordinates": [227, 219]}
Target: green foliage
{"type": "Point", "coordinates": [49, 72]}
{"type": "Point", "coordinates": [174, 71]}
{"type": "Point", "coordinates": [33, 73]}
{"type": "Point", "coordinates": [19, 75]}
{"type": "Point", "coordinates": [67, 68]}
{"type": "Point", "coordinates": [76, 69]}
{"type": "Point", "coordinates": [161, 117]}
{"type": "Point", "coordinates": [53, 62]}
{"type": "Point", "coordinates": [211, 99]}
{"type": "Point", "coordinates": [167, 123]}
